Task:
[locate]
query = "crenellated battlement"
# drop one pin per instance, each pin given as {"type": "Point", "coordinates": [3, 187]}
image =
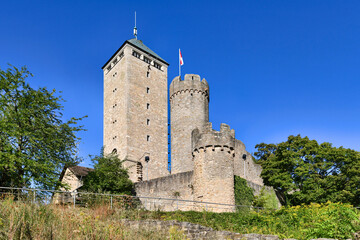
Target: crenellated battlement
{"type": "Point", "coordinates": [208, 138]}
{"type": "Point", "coordinates": [191, 84]}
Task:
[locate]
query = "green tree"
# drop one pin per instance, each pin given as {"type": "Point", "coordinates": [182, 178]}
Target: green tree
{"type": "Point", "coordinates": [108, 176]}
{"type": "Point", "coordinates": [303, 171]}
{"type": "Point", "coordinates": [35, 143]}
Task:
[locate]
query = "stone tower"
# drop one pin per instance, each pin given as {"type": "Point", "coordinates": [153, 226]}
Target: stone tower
{"type": "Point", "coordinates": [135, 110]}
{"type": "Point", "coordinates": [189, 109]}
{"type": "Point", "coordinates": [213, 153]}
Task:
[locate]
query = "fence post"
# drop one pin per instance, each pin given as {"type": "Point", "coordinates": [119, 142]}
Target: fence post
{"type": "Point", "coordinates": [34, 195]}
{"type": "Point", "coordinates": [74, 198]}
{"type": "Point", "coordinates": [111, 201]}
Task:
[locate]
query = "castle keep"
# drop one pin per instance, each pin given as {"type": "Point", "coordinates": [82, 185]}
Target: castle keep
{"type": "Point", "coordinates": [203, 161]}
{"type": "Point", "coordinates": [135, 110]}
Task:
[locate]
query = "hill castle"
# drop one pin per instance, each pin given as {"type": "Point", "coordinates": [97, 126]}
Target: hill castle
{"type": "Point", "coordinates": [203, 161]}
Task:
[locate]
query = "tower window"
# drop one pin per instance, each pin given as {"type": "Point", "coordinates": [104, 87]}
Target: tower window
{"type": "Point", "coordinates": [148, 74]}
{"type": "Point", "coordinates": [148, 106]}
{"type": "Point", "coordinates": [148, 138]}
{"type": "Point", "coordinates": [147, 90]}
{"type": "Point", "coordinates": [158, 66]}
{"type": "Point", "coordinates": [114, 151]}
{"type": "Point", "coordinates": [136, 54]}
{"type": "Point", "coordinates": [139, 171]}
{"type": "Point", "coordinates": [147, 60]}
{"type": "Point", "coordinates": [148, 122]}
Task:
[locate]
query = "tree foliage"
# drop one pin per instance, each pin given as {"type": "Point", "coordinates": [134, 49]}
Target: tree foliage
{"type": "Point", "coordinates": [303, 171]}
{"type": "Point", "coordinates": [35, 143]}
{"type": "Point", "coordinates": [108, 176]}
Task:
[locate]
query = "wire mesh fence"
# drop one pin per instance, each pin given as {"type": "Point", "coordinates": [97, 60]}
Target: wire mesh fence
{"type": "Point", "coordinates": [87, 199]}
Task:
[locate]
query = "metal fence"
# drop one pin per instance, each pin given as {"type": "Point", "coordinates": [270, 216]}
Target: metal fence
{"type": "Point", "coordinates": [86, 199]}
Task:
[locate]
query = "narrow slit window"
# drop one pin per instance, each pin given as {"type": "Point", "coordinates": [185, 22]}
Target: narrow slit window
{"type": "Point", "coordinates": [148, 122]}
{"type": "Point", "coordinates": [148, 138]}
{"type": "Point", "coordinates": [148, 106]}
{"type": "Point", "coordinates": [147, 90]}
{"type": "Point", "coordinates": [147, 74]}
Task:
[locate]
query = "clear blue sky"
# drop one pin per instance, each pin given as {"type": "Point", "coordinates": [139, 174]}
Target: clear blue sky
{"type": "Point", "coordinates": [275, 68]}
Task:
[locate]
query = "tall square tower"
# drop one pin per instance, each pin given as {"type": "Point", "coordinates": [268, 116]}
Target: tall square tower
{"type": "Point", "coordinates": [135, 110]}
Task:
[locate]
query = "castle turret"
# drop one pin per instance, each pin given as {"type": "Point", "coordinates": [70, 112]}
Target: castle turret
{"type": "Point", "coordinates": [189, 109]}
{"type": "Point", "coordinates": [213, 155]}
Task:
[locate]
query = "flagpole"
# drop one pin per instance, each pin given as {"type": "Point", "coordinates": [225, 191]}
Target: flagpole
{"type": "Point", "coordinates": [179, 65]}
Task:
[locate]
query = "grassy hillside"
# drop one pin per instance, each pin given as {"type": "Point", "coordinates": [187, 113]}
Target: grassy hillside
{"type": "Point", "coordinates": [32, 221]}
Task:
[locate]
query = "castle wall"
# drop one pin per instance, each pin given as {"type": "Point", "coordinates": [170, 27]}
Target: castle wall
{"type": "Point", "coordinates": [257, 188]}
{"type": "Point", "coordinates": [246, 168]}
{"type": "Point", "coordinates": [214, 167]}
{"type": "Point", "coordinates": [175, 186]}
{"type": "Point", "coordinates": [189, 109]}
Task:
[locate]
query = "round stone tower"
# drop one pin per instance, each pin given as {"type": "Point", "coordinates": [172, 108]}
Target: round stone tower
{"type": "Point", "coordinates": [213, 178]}
{"type": "Point", "coordinates": [189, 109]}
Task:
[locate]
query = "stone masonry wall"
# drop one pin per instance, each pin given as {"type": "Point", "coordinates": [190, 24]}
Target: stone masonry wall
{"type": "Point", "coordinates": [246, 168]}
{"type": "Point", "coordinates": [214, 167]}
{"type": "Point", "coordinates": [189, 109]}
{"type": "Point", "coordinates": [175, 186]}
{"type": "Point", "coordinates": [192, 231]}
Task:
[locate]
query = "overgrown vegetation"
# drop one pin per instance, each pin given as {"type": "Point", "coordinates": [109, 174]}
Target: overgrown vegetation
{"type": "Point", "coordinates": [31, 221]}
{"type": "Point", "coordinates": [328, 220]}
{"type": "Point", "coordinates": [26, 221]}
{"type": "Point", "coordinates": [244, 195]}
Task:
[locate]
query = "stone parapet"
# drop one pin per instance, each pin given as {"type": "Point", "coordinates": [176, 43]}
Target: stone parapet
{"type": "Point", "coordinates": [209, 138]}
{"type": "Point", "coordinates": [191, 84]}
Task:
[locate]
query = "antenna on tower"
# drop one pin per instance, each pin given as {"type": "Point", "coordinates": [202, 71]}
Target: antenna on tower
{"type": "Point", "coordinates": [135, 29]}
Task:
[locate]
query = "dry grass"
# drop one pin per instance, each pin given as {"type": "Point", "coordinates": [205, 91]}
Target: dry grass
{"type": "Point", "coordinates": [32, 221]}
